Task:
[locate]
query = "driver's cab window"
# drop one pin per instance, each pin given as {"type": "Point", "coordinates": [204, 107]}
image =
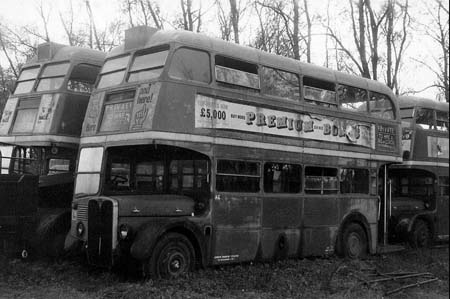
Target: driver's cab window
{"type": "Point", "coordinates": [118, 175]}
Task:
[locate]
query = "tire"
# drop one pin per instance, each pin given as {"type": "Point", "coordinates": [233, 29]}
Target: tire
{"type": "Point", "coordinates": [354, 242]}
{"type": "Point", "coordinates": [420, 235]}
{"type": "Point", "coordinates": [172, 257]}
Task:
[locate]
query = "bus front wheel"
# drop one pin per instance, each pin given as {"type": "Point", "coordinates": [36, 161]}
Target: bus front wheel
{"type": "Point", "coordinates": [354, 241]}
{"type": "Point", "coordinates": [173, 256]}
{"type": "Point", "coordinates": [420, 235]}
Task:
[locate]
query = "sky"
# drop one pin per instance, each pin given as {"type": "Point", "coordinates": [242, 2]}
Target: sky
{"type": "Point", "coordinates": [16, 13]}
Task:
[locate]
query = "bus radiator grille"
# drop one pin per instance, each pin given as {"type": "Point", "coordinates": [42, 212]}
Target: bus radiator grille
{"type": "Point", "coordinates": [100, 222]}
{"type": "Point", "coordinates": [82, 212]}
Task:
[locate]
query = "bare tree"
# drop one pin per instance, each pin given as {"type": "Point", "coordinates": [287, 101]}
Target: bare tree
{"type": "Point", "coordinates": [290, 15]}
{"type": "Point", "coordinates": [143, 12]}
{"type": "Point", "coordinates": [190, 18]}
{"type": "Point", "coordinates": [438, 31]}
{"type": "Point", "coordinates": [396, 40]}
{"type": "Point", "coordinates": [229, 18]}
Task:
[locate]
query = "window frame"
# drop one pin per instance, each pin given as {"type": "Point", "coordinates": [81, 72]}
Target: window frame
{"type": "Point", "coordinates": [171, 62]}
{"type": "Point", "coordinates": [258, 176]}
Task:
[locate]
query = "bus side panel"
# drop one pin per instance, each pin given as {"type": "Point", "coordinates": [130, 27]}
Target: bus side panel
{"type": "Point", "coordinates": [367, 207]}
{"type": "Point", "coordinates": [443, 215]}
{"type": "Point", "coordinates": [320, 222]}
{"type": "Point", "coordinates": [236, 228]}
{"type": "Point", "coordinates": [280, 236]}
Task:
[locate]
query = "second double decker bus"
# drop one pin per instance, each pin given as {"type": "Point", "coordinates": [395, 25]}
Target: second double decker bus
{"type": "Point", "coordinates": [39, 134]}
{"type": "Point", "coordinates": [420, 185]}
{"type": "Point", "coordinates": [198, 152]}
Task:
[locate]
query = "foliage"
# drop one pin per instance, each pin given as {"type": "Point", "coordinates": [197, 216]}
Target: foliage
{"type": "Point", "coordinates": [306, 278]}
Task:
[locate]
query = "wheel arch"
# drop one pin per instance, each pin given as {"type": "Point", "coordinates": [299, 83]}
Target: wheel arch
{"type": "Point", "coordinates": [353, 217]}
{"type": "Point", "coordinates": [151, 233]}
{"type": "Point", "coordinates": [427, 218]}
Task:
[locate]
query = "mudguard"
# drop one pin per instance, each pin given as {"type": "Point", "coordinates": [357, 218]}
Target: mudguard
{"type": "Point", "coordinates": [150, 232]}
{"type": "Point", "coordinates": [354, 216]}
{"type": "Point", "coordinates": [51, 225]}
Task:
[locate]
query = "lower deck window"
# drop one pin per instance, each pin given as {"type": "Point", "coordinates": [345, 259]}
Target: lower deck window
{"type": "Point", "coordinates": [282, 178]}
{"type": "Point", "coordinates": [354, 180]}
{"type": "Point", "coordinates": [321, 180]}
{"type": "Point", "coordinates": [443, 185]}
{"type": "Point", "coordinates": [237, 176]}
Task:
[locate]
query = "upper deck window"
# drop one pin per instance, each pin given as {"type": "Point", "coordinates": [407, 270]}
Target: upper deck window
{"type": "Point", "coordinates": [148, 66]}
{"type": "Point", "coordinates": [352, 98]}
{"type": "Point", "coordinates": [424, 117]}
{"type": "Point", "coordinates": [52, 76]}
{"type": "Point", "coordinates": [113, 71]}
{"type": "Point", "coordinates": [26, 80]}
{"type": "Point", "coordinates": [235, 73]}
{"type": "Point", "coordinates": [442, 120]}
{"type": "Point", "coordinates": [117, 111]}
{"type": "Point", "coordinates": [280, 83]}
{"type": "Point", "coordinates": [189, 64]}
{"type": "Point", "coordinates": [319, 92]}
{"type": "Point", "coordinates": [381, 106]}
{"type": "Point", "coordinates": [83, 77]}
{"type": "Point", "coordinates": [407, 113]}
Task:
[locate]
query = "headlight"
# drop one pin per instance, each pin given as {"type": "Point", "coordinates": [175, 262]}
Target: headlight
{"type": "Point", "coordinates": [80, 229]}
{"type": "Point", "coordinates": [124, 231]}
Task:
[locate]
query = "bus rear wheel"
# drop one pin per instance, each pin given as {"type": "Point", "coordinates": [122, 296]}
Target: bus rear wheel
{"type": "Point", "coordinates": [172, 257]}
{"type": "Point", "coordinates": [420, 235]}
{"type": "Point", "coordinates": [354, 241]}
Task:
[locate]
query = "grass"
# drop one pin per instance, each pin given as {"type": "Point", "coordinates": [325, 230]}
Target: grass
{"type": "Point", "coordinates": [306, 278]}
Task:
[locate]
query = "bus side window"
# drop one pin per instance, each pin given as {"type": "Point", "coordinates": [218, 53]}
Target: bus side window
{"type": "Point", "coordinates": [280, 83]}
{"type": "Point", "coordinates": [443, 185]}
{"type": "Point", "coordinates": [321, 180]}
{"type": "Point", "coordinates": [352, 98]}
{"type": "Point", "coordinates": [237, 176]}
{"type": "Point", "coordinates": [189, 64]}
{"type": "Point", "coordinates": [424, 117]}
{"type": "Point", "coordinates": [442, 120]}
{"type": "Point", "coordinates": [282, 178]}
{"type": "Point", "coordinates": [83, 77]}
{"type": "Point", "coordinates": [354, 180]}
{"type": "Point", "coordinates": [318, 92]}
{"type": "Point", "coordinates": [236, 73]}
{"type": "Point", "coordinates": [380, 106]}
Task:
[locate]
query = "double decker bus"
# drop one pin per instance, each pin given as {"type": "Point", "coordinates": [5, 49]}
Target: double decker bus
{"type": "Point", "coordinates": [419, 210]}
{"type": "Point", "coordinates": [39, 134]}
{"type": "Point", "coordinates": [197, 152]}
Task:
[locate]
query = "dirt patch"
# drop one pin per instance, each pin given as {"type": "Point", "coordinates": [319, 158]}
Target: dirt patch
{"type": "Point", "coordinates": [306, 278]}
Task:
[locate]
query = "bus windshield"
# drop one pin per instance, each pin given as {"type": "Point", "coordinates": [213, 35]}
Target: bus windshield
{"type": "Point", "coordinates": [52, 76]}
{"type": "Point", "coordinates": [113, 71]}
{"type": "Point", "coordinates": [147, 66]}
{"type": "Point", "coordinates": [26, 80]}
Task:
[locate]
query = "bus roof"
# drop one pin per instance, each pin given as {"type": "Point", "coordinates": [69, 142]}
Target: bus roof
{"type": "Point", "coordinates": [411, 101]}
{"type": "Point", "coordinates": [51, 51]}
{"type": "Point", "coordinates": [143, 37]}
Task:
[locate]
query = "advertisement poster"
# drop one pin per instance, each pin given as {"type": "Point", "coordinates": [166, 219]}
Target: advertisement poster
{"type": "Point", "coordinates": [219, 114]}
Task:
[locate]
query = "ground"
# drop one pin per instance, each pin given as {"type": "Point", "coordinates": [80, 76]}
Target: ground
{"type": "Point", "coordinates": [305, 278]}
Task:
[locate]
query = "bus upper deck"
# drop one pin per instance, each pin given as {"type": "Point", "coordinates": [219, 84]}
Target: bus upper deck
{"type": "Point", "coordinates": [149, 83]}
